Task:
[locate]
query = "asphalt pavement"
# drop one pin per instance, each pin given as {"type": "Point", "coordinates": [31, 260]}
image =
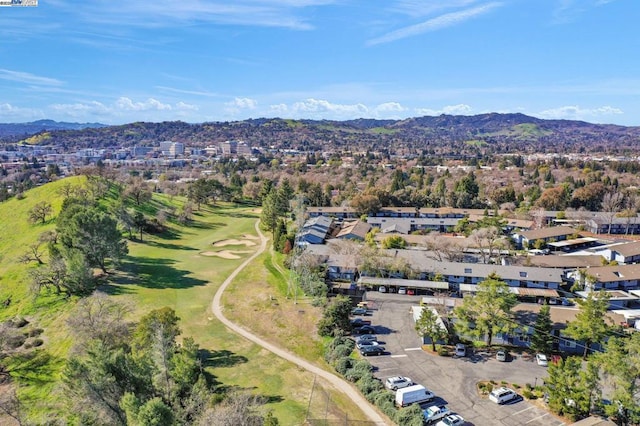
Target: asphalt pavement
{"type": "Point", "coordinates": [452, 379]}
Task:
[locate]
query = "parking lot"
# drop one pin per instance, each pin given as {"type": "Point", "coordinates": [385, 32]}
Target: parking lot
{"type": "Point", "coordinates": [453, 380]}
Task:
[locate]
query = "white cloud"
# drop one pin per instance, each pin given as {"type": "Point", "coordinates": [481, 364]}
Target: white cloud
{"type": "Point", "coordinates": [278, 109]}
{"type": "Point", "coordinates": [10, 112]}
{"type": "Point", "coordinates": [238, 105]}
{"type": "Point", "coordinates": [182, 106]}
{"type": "Point", "coordinates": [574, 112]}
{"type": "Point", "coordinates": [434, 24]}
{"type": "Point", "coordinates": [460, 109]}
{"type": "Point", "coordinates": [28, 78]}
{"type": "Point", "coordinates": [322, 108]}
{"type": "Point", "coordinates": [123, 109]}
{"type": "Point", "coordinates": [126, 104]}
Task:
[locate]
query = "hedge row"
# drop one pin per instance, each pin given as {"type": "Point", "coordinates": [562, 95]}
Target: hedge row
{"type": "Point", "coordinates": [359, 371]}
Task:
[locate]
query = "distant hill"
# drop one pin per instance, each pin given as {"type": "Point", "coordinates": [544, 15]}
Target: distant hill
{"type": "Point", "coordinates": [28, 129]}
{"type": "Point", "coordinates": [441, 135]}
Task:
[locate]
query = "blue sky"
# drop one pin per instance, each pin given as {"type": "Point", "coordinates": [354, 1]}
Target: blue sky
{"type": "Point", "coordinates": [221, 60]}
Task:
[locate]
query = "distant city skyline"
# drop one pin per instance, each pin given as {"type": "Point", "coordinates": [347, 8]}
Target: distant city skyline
{"type": "Point", "coordinates": [195, 61]}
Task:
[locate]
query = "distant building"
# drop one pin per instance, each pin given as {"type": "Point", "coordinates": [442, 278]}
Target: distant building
{"type": "Point", "coordinates": [235, 148]}
{"type": "Point", "coordinates": [172, 149]}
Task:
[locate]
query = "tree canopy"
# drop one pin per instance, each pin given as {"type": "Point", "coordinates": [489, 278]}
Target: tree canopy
{"type": "Point", "coordinates": [488, 311]}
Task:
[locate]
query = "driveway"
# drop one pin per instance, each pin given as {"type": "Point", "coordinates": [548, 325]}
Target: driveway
{"type": "Point", "coordinates": [453, 380]}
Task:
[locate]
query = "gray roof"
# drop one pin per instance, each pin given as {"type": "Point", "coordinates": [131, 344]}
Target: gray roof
{"type": "Point", "coordinates": [419, 261]}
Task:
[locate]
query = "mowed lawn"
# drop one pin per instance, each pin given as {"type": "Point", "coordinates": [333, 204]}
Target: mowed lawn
{"type": "Point", "coordinates": [179, 270]}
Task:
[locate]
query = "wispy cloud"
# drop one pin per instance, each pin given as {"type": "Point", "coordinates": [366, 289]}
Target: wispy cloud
{"type": "Point", "coordinates": [420, 8]}
{"type": "Point", "coordinates": [434, 24]}
{"type": "Point", "coordinates": [28, 78]}
{"type": "Point", "coordinates": [567, 11]}
{"type": "Point", "coordinates": [204, 93]}
{"type": "Point", "coordinates": [163, 13]}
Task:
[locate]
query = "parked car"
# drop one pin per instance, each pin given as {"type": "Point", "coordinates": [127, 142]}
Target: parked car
{"type": "Point", "coordinates": [451, 420]}
{"type": "Point", "coordinates": [366, 337]}
{"type": "Point", "coordinates": [411, 292]}
{"type": "Point", "coordinates": [382, 289]}
{"type": "Point", "coordinates": [358, 322]}
{"type": "Point", "coordinates": [372, 350]}
{"type": "Point", "coordinates": [566, 302]}
{"type": "Point", "coordinates": [461, 350]}
{"type": "Point", "coordinates": [364, 343]}
{"type": "Point", "coordinates": [542, 360]}
{"type": "Point", "coordinates": [501, 356]}
{"type": "Point", "coordinates": [435, 413]}
{"type": "Point", "coordinates": [363, 304]}
{"type": "Point", "coordinates": [397, 382]}
{"type": "Point", "coordinates": [402, 290]}
{"type": "Point", "coordinates": [501, 395]}
{"type": "Point", "coordinates": [365, 329]}
{"type": "Point", "coordinates": [359, 311]}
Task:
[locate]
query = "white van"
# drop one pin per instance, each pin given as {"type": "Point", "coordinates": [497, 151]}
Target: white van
{"type": "Point", "coordinates": [416, 394]}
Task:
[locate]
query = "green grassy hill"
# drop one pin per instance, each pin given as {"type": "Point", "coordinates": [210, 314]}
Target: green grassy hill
{"type": "Point", "coordinates": [180, 268]}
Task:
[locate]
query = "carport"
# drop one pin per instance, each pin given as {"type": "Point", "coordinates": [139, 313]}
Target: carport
{"type": "Point", "coordinates": [418, 286]}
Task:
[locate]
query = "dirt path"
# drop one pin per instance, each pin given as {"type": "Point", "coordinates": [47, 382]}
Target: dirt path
{"type": "Point", "coordinates": [340, 384]}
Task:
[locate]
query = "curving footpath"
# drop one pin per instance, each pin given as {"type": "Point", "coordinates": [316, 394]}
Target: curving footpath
{"type": "Point", "coordinates": [336, 381]}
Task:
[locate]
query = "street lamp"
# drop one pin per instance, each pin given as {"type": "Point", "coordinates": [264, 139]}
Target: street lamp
{"type": "Point", "coordinates": [535, 383]}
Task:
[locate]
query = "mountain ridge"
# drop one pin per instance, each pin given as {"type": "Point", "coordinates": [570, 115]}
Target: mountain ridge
{"type": "Point", "coordinates": [499, 133]}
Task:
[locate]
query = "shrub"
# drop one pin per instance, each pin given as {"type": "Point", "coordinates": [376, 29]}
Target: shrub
{"type": "Point", "coordinates": [527, 394]}
{"type": "Point", "coordinates": [33, 343]}
{"type": "Point", "coordinates": [443, 351]}
{"type": "Point", "coordinates": [516, 386]}
{"type": "Point", "coordinates": [18, 322]}
{"type": "Point", "coordinates": [359, 369]}
{"type": "Point", "coordinates": [368, 385]}
{"type": "Point", "coordinates": [35, 332]}
{"type": "Point", "coordinates": [410, 416]}
{"type": "Point", "coordinates": [343, 364]}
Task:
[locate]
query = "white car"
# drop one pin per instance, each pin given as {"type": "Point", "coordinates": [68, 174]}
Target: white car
{"type": "Point", "coordinates": [398, 382]}
{"type": "Point", "coordinates": [402, 290]}
{"type": "Point", "coordinates": [435, 413]}
{"type": "Point", "coordinates": [461, 350]}
{"type": "Point", "coordinates": [451, 420]}
{"type": "Point", "coordinates": [542, 360]}
{"type": "Point", "coordinates": [502, 395]}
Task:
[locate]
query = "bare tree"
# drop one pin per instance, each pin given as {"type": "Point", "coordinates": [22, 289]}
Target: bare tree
{"type": "Point", "coordinates": [33, 254]}
{"type": "Point", "coordinates": [236, 410]}
{"type": "Point", "coordinates": [39, 212]}
{"type": "Point", "coordinates": [611, 205]}
{"type": "Point", "coordinates": [98, 317]}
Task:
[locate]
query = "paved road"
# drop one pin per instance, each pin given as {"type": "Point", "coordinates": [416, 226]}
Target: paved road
{"type": "Point", "coordinates": [340, 384]}
{"type": "Point", "coordinates": [453, 380]}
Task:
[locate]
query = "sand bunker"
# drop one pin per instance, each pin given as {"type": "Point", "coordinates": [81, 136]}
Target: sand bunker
{"type": "Point", "coordinates": [225, 254]}
{"type": "Point", "coordinates": [223, 243]}
{"type": "Point", "coordinates": [250, 237]}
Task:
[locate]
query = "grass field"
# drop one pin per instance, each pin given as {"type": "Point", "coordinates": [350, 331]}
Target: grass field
{"type": "Point", "coordinates": [179, 269]}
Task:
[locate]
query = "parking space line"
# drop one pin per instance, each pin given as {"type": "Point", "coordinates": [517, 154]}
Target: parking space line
{"type": "Point", "coordinates": [522, 411]}
{"type": "Point", "coordinates": [413, 349]}
{"type": "Point", "coordinates": [537, 418]}
{"type": "Point", "coordinates": [399, 356]}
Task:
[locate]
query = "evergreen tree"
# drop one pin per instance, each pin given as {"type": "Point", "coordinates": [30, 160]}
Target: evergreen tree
{"type": "Point", "coordinates": [429, 326]}
{"type": "Point", "coordinates": [488, 311]}
{"type": "Point", "coordinates": [590, 324]}
{"type": "Point", "coordinates": [542, 338]}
